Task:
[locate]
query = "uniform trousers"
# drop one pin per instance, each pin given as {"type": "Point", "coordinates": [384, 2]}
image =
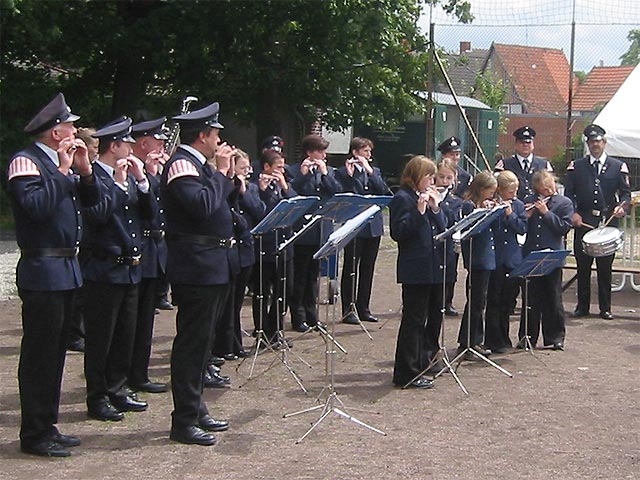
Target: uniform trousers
{"type": "Point", "coordinates": [273, 287]}
{"type": "Point", "coordinates": [359, 262]}
{"type": "Point", "coordinates": [147, 296]}
{"type": "Point", "coordinates": [502, 289]}
{"type": "Point", "coordinates": [228, 334]}
{"type": "Point", "coordinates": [545, 306]}
{"type": "Point", "coordinates": [199, 308]}
{"type": "Point", "coordinates": [472, 326]}
{"type": "Point", "coordinates": [45, 324]}
{"type": "Point", "coordinates": [419, 330]}
{"type": "Point", "coordinates": [110, 314]}
{"type": "Point", "coordinates": [603, 266]}
{"type": "Point", "coordinates": [305, 285]}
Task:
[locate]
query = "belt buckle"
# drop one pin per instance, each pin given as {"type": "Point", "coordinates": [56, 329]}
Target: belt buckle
{"type": "Point", "coordinates": [135, 260]}
{"type": "Point", "coordinates": [596, 213]}
{"type": "Point", "coordinates": [232, 242]}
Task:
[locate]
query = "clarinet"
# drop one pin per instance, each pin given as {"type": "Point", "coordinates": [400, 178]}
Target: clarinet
{"type": "Point", "coordinates": [174, 133]}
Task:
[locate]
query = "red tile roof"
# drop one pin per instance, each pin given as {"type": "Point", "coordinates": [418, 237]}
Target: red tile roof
{"type": "Point", "coordinates": [599, 87]}
{"type": "Point", "coordinates": [539, 75]}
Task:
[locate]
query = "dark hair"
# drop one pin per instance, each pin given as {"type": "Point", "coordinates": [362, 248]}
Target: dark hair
{"type": "Point", "coordinates": [312, 143]}
{"type": "Point", "coordinates": [103, 145]}
{"type": "Point", "coordinates": [190, 136]}
{"type": "Point", "coordinates": [360, 142]}
{"type": "Point", "coordinates": [270, 157]}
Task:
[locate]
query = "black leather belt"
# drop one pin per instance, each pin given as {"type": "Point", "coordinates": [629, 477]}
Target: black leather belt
{"type": "Point", "coordinates": [155, 234]}
{"type": "Point", "coordinates": [117, 259]}
{"type": "Point", "coordinates": [203, 239]}
{"type": "Point", "coordinates": [50, 252]}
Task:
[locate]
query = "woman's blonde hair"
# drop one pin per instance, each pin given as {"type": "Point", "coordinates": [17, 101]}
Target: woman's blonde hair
{"type": "Point", "coordinates": [449, 164]}
{"type": "Point", "coordinates": [507, 178]}
{"type": "Point", "coordinates": [416, 169]}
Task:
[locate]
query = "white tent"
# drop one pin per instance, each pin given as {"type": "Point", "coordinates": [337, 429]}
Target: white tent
{"type": "Point", "coordinates": [619, 118]}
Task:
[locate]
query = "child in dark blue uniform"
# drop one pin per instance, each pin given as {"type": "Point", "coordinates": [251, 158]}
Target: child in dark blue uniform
{"type": "Point", "coordinates": [478, 253]}
{"type": "Point", "coordinates": [550, 217]}
{"type": "Point", "coordinates": [415, 218]}
{"type": "Point", "coordinates": [502, 289]}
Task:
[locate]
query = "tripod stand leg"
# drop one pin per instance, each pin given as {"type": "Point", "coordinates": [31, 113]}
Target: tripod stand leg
{"type": "Point", "coordinates": [324, 415]}
{"type": "Point", "coordinates": [355, 420]}
{"type": "Point", "coordinates": [490, 362]}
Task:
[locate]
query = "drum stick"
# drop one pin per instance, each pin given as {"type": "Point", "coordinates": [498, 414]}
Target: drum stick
{"type": "Point", "coordinates": [613, 214]}
{"type": "Point", "coordinates": [587, 225]}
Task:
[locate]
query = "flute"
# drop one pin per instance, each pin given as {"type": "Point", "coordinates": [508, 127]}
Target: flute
{"type": "Point", "coordinates": [532, 205]}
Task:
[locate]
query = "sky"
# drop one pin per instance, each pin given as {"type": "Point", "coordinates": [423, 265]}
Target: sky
{"type": "Point", "coordinates": [602, 27]}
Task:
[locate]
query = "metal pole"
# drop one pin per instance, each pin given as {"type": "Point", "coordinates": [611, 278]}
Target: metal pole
{"type": "Point", "coordinates": [568, 143]}
{"type": "Point", "coordinates": [429, 140]}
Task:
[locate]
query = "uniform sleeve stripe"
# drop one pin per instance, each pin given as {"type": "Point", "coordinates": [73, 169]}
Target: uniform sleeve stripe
{"type": "Point", "coordinates": [570, 166]}
{"type": "Point", "coordinates": [499, 165]}
{"type": "Point", "coordinates": [624, 168]}
{"type": "Point", "coordinates": [549, 167]}
{"type": "Point", "coordinates": [23, 167]}
{"type": "Point", "coordinates": [181, 168]}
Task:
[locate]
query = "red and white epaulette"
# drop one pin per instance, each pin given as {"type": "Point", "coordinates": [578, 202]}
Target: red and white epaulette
{"type": "Point", "coordinates": [23, 167]}
{"type": "Point", "coordinates": [181, 168]}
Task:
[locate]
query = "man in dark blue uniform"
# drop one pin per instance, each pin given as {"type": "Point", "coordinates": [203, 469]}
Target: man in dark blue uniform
{"type": "Point", "coordinates": [149, 147]}
{"type": "Point", "coordinates": [111, 253]}
{"type": "Point", "coordinates": [523, 162]}
{"type": "Point", "coordinates": [202, 261]}
{"type": "Point", "coordinates": [451, 148]}
{"type": "Point", "coordinates": [359, 258]}
{"type": "Point", "coordinates": [46, 197]}
{"type": "Point", "coordinates": [598, 185]}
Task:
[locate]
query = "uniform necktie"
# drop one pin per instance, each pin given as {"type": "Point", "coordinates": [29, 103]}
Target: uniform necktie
{"type": "Point", "coordinates": [526, 164]}
{"type": "Point", "coordinates": [596, 167]}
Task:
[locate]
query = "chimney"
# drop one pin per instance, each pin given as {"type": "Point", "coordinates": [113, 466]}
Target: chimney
{"type": "Point", "coordinates": [465, 47]}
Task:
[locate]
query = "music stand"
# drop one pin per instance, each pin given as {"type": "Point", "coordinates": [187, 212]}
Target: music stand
{"type": "Point", "coordinates": [336, 242]}
{"type": "Point", "coordinates": [478, 221]}
{"type": "Point", "coordinates": [341, 208]}
{"type": "Point", "coordinates": [537, 264]}
{"type": "Point", "coordinates": [283, 215]}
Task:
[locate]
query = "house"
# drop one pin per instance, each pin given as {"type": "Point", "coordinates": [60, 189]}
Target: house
{"type": "Point", "coordinates": [599, 87]}
{"type": "Point", "coordinates": [463, 69]}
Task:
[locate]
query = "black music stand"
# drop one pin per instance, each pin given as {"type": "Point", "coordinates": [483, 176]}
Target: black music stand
{"type": "Point", "coordinates": [476, 222]}
{"type": "Point", "coordinates": [283, 215]}
{"type": "Point", "coordinates": [537, 264]}
{"type": "Point", "coordinates": [341, 208]}
{"type": "Point", "coordinates": [336, 242]}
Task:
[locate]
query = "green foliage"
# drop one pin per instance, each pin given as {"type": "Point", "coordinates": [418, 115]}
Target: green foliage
{"type": "Point", "coordinates": [353, 60]}
{"type": "Point", "coordinates": [492, 90]}
{"type": "Point", "coordinates": [632, 56]}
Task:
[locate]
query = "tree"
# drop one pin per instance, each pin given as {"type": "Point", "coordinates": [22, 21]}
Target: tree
{"type": "Point", "coordinates": [632, 56]}
{"type": "Point", "coordinates": [266, 61]}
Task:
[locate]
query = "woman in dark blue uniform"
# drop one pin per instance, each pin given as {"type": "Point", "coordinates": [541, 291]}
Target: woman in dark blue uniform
{"type": "Point", "coordinates": [415, 218]}
{"type": "Point", "coordinates": [550, 219]}
{"type": "Point", "coordinates": [478, 253]}
{"type": "Point", "coordinates": [502, 288]}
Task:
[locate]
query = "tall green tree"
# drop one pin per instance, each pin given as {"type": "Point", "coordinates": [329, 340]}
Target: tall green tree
{"type": "Point", "coordinates": [266, 61]}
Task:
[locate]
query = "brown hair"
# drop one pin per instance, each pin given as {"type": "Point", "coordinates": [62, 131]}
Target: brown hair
{"type": "Point", "coordinates": [449, 164]}
{"type": "Point", "coordinates": [360, 142]}
{"type": "Point", "coordinates": [313, 143]}
{"type": "Point", "coordinates": [541, 176]}
{"type": "Point", "coordinates": [416, 169]}
{"type": "Point", "coordinates": [480, 182]}
{"type": "Point", "coordinates": [270, 156]}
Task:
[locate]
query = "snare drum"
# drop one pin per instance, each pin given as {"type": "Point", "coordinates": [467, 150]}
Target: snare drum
{"type": "Point", "coordinates": [603, 241]}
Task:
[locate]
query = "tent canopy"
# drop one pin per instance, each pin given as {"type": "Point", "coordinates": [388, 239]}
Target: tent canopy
{"type": "Point", "coordinates": [620, 119]}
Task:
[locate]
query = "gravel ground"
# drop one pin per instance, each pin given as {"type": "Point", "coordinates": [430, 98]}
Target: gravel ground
{"type": "Point", "coordinates": [568, 415]}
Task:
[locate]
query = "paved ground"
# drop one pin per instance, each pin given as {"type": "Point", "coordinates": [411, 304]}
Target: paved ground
{"type": "Point", "coordinates": [565, 415]}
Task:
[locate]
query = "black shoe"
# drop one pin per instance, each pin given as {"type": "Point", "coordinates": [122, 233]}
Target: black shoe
{"type": "Point", "coordinates": [212, 369]}
{"type": "Point", "coordinates": [580, 312]}
{"type": "Point", "coordinates": [558, 346]}
{"type": "Point", "coordinates": [500, 350]}
{"type": "Point", "coordinates": [217, 361]}
{"type": "Point", "coordinates": [192, 436]}
{"type": "Point", "coordinates": [302, 327]}
{"type": "Point", "coordinates": [351, 319]}
{"type": "Point", "coordinates": [368, 318]}
{"type": "Point", "coordinates": [482, 350]}
{"type": "Point", "coordinates": [243, 354]}
{"type": "Point", "coordinates": [318, 325]}
{"type": "Point", "coordinates": [449, 311]}
{"type": "Point", "coordinates": [230, 357]}
{"type": "Point", "coordinates": [105, 412]}
{"type": "Point", "coordinates": [48, 448]}
{"type": "Point", "coordinates": [606, 315]}
{"type": "Point", "coordinates": [150, 387]}
{"type": "Point", "coordinates": [212, 425]}
{"type": "Point", "coordinates": [423, 383]}
{"type": "Point", "coordinates": [163, 304]}
{"type": "Point", "coordinates": [128, 404]}
{"type": "Point", "coordinates": [76, 345]}
{"type": "Point", "coordinates": [216, 380]}
{"type": "Point", "coordinates": [436, 368]}
{"type": "Point", "coordinates": [66, 440]}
